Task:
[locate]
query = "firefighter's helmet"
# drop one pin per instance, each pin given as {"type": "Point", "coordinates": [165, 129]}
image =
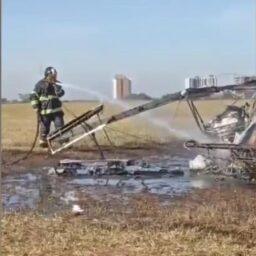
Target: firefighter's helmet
{"type": "Point", "coordinates": [50, 71]}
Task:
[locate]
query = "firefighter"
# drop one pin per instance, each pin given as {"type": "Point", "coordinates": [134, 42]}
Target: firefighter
{"type": "Point", "coordinates": [45, 100]}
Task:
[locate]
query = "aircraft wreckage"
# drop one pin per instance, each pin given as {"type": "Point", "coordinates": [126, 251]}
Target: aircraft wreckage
{"type": "Point", "coordinates": [232, 131]}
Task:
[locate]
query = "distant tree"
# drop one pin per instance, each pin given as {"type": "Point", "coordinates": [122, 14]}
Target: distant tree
{"type": "Point", "coordinates": [4, 100]}
{"type": "Point", "coordinates": [24, 97]}
{"type": "Point", "coordinates": [140, 96]}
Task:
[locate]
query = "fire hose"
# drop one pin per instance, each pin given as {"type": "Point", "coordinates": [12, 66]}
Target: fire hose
{"type": "Point", "coordinates": [29, 152]}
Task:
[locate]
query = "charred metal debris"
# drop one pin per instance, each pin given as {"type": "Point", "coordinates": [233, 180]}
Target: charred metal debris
{"type": "Point", "coordinates": [232, 131]}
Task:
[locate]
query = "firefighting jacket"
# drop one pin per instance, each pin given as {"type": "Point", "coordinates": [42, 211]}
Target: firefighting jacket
{"type": "Point", "coordinates": [45, 97]}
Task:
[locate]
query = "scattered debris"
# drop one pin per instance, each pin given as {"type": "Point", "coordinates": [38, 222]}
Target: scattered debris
{"type": "Point", "coordinates": [76, 209]}
{"type": "Point", "coordinates": [199, 163]}
{"type": "Point", "coordinates": [69, 197]}
{"type": "Point", "coordinates": [128, 167]}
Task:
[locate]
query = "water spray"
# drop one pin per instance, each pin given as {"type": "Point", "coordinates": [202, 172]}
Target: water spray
{"type": "Point", "coordinates": [146, 116]}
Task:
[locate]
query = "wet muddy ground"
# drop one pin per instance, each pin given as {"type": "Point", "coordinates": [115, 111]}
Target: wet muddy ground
{"type": "Point", "coordinates": [28, 185]}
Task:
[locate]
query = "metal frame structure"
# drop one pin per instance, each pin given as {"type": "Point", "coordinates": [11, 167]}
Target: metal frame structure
{"type": "Point", "coordinates": [89, 129]}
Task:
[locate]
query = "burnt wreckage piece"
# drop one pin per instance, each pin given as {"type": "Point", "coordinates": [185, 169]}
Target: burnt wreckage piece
{"type": "Point", "coordinates": [241, 161]}
{"type": "Point", "coordinates": [222, 129]}
{"type": "Point", "coordinates": [233, 120]}
{"type": "Point", "coordinates": [115, 167]}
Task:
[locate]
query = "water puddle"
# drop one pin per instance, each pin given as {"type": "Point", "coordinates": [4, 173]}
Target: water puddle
{"type": "Point", "coordinates": [38, 189]}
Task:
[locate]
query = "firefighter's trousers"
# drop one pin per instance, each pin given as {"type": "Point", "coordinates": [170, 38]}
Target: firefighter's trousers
{"type": "Point", "coordinates": [46, 120]}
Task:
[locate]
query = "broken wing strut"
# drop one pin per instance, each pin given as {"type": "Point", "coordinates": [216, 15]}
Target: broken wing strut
{"type": "Point", "coordinates": [74, 131]}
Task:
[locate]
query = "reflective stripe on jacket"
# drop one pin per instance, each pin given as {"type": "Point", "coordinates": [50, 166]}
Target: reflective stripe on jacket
{"type": "Point", "coordinates": [45, 97]}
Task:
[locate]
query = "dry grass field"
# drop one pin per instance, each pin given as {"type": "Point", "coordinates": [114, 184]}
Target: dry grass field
{"type": "Point", "coordinates": [173, 121]}
{"type": "Point", "coordinates": [214, 222]}
{"type": "Point", "coordinates": [211, 222]}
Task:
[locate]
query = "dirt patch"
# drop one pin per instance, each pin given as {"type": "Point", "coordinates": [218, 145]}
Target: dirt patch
{"type": "Point", "coordinates": [29, 183]}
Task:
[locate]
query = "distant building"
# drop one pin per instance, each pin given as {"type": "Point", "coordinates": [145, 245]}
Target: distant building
{"type": "Point", "coordinates": [204, 82]}
{"type": "Point", "coordinates": [189, 83]}
{"type": "Point", "coordinates": [233, 78]}
{"type": "Point", "coordinates": [192, 82]}
{"type": "Point", "coordinates": [122, 87]}
{"type": "Point", "coordinates": [222, 80]}
{"type": "Point", "coordinates": [212, 80]}
{"type": "Point", "coordinates": [243, 79]}
{"type": "Point", "coordinates": [199, 82]}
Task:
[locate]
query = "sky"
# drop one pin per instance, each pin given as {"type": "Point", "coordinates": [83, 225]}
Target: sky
{"type": "Point", "coordinates": [157, 44]}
